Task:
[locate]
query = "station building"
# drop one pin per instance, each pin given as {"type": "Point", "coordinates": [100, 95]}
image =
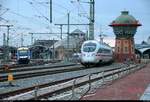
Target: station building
{"type": "Point", "coordinates": [12, 52]}
{"type": "Point", "coordinates": [143, 50]}
{"type": "Point", "coordinates": [40, 49]}
{"type": "Point", "coordinates": [64, 49]}
{"type": "Point", "coordinates": [49, 49]}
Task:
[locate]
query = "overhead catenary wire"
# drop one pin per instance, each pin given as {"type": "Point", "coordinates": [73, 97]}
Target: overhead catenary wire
{"type": "Point", "coordinates": [25, 17]}
{"type": "Point", "coordinates": [33, 19]}
{"type": "Point", "coordinates": [31, 3]}
{"type": "Point", "coordinates": [42, 4]}
{"type": "Point", "coordinates": [54, 3]}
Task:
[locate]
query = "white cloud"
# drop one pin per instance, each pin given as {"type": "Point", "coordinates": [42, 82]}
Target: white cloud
{"type": "Point", "coordinates": [110, 41]}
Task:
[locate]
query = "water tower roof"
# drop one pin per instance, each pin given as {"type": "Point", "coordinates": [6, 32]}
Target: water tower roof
{"type": "Point", "coordinates": [125, 19]}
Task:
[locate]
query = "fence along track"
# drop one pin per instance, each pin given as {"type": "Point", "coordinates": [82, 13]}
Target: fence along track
{"type": "Point", "coordinates": [39, 93]}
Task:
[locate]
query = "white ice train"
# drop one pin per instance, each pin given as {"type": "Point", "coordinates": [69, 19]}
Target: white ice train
{"type": "Point", "coordinates": [95, 53]}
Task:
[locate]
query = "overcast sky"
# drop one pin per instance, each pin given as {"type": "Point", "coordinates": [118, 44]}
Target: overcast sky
{"type": "Point", "coordinates": [31, 16]}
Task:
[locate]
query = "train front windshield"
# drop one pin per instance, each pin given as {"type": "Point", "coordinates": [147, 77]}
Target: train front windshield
{"type": "Point", "coordinates": [23, 53]}
{"type": "Point", "coordinates": [89, 47]}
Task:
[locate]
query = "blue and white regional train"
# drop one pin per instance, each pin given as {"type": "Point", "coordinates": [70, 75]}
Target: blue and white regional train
{"type": "Point", "coordinates": [23, 55]}
{"type": "Point", "coordinates": [95, 53]}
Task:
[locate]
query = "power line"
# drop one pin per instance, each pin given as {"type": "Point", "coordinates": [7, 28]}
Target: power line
{"type": "Point", "coordinates": [25, 17]}
{"type": "Point", "coordinates": [54, 3]}
{"type": "Point", "coordinates": [38, 11]}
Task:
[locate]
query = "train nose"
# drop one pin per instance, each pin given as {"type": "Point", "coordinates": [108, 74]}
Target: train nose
{"type": "Point", "coordinates": [88, 58]}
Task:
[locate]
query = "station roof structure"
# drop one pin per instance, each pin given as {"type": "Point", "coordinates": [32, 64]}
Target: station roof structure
{"type": "Point", "coordinates": [144, 46]}
{"type": "Point", "coordinates": [42, 44]}
{"type": "Point", "coordinates": [10, 48]}
{"type": "Point", "coordinates": [77, 32]}
{"type": "Point", "coordinates": [73, 41]}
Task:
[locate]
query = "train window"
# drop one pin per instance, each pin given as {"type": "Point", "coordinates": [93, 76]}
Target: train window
{"type": "Point", "coordinates": [90, 44]}
{"type": "Point", "coordinates": [89, 47]}
{"type": "Point", "coordinates": [104, 51]}
{"type": "Point", "coordinates": [23, 53]}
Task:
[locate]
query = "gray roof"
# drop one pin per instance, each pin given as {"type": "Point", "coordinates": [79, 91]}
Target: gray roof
{"type": "Point", "coordinates": [77, 31]}
{"type": "Point", "coordinates": [72, 43]}
{"type": "Point", "coordinates": [142, 47]}
{"type": "Point", "coordinates": [44, 42]}
{"type": "Point", "coordinates": [72, 40]}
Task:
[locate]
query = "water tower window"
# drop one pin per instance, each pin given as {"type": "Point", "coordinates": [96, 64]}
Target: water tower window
{"type": "Point", "coordinates": [118, 49]}
{"type": "Point", "coordinates": [126, 49]}
{"type": "Point", "coordinates": [132, 49]}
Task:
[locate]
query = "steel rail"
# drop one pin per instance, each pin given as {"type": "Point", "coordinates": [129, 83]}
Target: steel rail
{"type": "Point", "coordinates": [48, 71]}
{"type": "Point", "coordinates": [31, 68]}
{"type": "Point", "coordinates": [15, 66]}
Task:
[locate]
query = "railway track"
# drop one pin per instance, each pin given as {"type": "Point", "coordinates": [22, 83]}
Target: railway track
{"type": "Point", "coordinates": [41, 71]}
{"type": "Point", "coordinates": [29, 72]}
{"type": "Point", "coordinates": [62, 85]}
{"type": "Point", "coordinates": [16, 66]}
{"type": "Point", "coordinates": [32, 68]}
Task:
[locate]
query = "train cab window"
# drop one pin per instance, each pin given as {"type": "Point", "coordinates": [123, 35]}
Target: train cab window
{"type": "Point", "coordinates": [100, 51]}
{"type": "Point", "coordinates": [89, 47]}
{"type": "Point", "coordinates": [23, 53]}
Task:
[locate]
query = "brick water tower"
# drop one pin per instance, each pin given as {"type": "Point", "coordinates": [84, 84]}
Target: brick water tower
{"type": "Point", "coordinates": [125, 27]}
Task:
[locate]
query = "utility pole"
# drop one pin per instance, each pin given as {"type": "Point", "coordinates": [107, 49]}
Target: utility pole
{"type": "Point", "coordinates": [91, 20]}
{"type": "Point", "coordinates": [61, 31]}
{"type": "Point", "coordinates": [53, 50]}
{"type": "Point", "coordinates": [4, 44]}
{"type": "Point", "coordinates": [6, 48]}
{"type": "Point", "coordinates": [22, 39]}
{"type": "Point", "coordinates": [101, 35]}
{"type": "Point", "coordinates": [31, 38]}
{"type": "Point", "coordinates": [50, 11]}
{"type": "Point", "coordinates": [8, 28]}
{"type": "Point", "coordinates": [68, 31]}
{"type": "Point", "coordinates": [4, 39]}
{"type": "Point", "coordinates": [61, 25]}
